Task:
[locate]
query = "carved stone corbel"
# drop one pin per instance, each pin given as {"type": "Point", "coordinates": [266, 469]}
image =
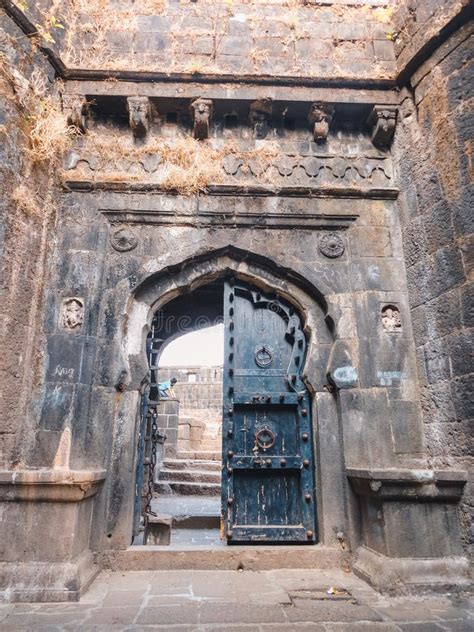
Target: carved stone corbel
{"type": "Point", "coordinates": [201, 110]}
{"type": "Point", "coordinates": [383, 120]}
{"type": "Point", "coordinates": [139, 112]}
{"type": "Point", "coordinates": [320, 117]}
{"type": "Point", "coordinates": [259, 116]}
{"type": "Point", "coordinates": [75, 108]}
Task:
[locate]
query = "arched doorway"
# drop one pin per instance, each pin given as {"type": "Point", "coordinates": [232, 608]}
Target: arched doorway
{"type": "Point", "coordinates": [268, 467]}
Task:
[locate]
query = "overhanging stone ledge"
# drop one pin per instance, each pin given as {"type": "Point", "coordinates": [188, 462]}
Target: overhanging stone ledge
{"type": "Point", "coordinates": [49, 485]}
{"type": "Point", "coordinates": [408, 484]}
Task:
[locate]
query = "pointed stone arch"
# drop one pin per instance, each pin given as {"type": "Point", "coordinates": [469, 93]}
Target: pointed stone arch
{"type": "Point", "coordinates": [158, 284]}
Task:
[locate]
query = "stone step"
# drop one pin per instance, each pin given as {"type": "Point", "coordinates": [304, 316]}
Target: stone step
{"type": "Point", "coordinates": [223, 557]}
{"type": "Point", "coordinates": [200, 455]}
{"type": "Point", "coordinates": [188, 489]}
{"type": "Point", "coordinates": [202, 521]}
{"type": "Point", "coordinates": [192, 476]}
{"type": "Point", "coordinates": [186, 464]}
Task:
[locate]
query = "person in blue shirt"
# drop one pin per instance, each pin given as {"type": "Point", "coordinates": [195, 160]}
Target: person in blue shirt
{"type": "Point", "coordinates": [166, 388]}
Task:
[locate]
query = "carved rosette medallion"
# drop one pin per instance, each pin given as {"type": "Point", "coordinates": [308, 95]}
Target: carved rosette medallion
{"type": "Point", "coordinates": [123, 240]}
{"type": "Point", "coordinates": [331, 245]}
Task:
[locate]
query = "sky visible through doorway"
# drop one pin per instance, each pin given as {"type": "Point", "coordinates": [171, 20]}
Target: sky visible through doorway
{"type": "Point", "coordinates": [204, 347]}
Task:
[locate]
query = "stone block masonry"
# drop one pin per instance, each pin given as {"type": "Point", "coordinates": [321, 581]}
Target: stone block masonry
{"type": "Point", "coordinates": [309, 39]}
{"type": "Point", "coordinates": [196, 414]}
{"type": "Point", "coordinates": [436, 216]}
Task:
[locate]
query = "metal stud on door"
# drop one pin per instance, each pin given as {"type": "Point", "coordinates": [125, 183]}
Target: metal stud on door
{"type": "Point", "coordinates": [268, 490]}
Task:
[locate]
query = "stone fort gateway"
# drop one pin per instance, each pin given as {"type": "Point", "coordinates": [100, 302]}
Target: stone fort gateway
{"type": "Point", "coordinates": [299, 172]}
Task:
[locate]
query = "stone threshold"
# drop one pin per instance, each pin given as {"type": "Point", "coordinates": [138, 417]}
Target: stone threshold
{"type": "Point", "coordinates": [235, 557]}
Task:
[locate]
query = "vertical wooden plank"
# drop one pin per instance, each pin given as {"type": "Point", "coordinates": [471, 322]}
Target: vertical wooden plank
{"type": "Point", "coordinates": [268, 491]}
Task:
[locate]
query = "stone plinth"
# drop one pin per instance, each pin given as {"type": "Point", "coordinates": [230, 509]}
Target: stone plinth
{"type": "Point", "coordinates": [45, 533]}
{"type": "Point", "coordinates": [410, 527]}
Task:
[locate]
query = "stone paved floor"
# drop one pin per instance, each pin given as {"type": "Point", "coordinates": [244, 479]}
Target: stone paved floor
{"type": "Point", "coordinates": [178, 505]}
{"type": "Point", "coordinates": [233, 601]}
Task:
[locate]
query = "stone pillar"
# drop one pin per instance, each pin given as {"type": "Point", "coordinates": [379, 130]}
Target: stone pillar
{"type": "Point", "coordinates": [168, 415]}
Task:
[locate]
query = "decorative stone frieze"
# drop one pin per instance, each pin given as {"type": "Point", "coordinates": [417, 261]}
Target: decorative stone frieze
{"type": "Point", "coordinates": [76, 108]}
{"type": "Point", "coordinates": [139, 112]}
{"type": "Point", "coordinates": [201, 110]}
{"type": "Point", "coordinates": [383, 120]}
{"type": "Point", "coordinates": [320, 117]}
{"type": "Point", "coordinates": [72, 313]}
{"type": "Point", "coordinates": [286, 169]}
{"type": "Point", "coordinates": [259, 116]}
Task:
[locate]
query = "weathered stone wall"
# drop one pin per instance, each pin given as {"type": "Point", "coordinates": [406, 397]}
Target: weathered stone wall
{"type": "Point", "coordinates": [433, 151]}
{"type": "Point", "coordinates": [275, 37]}
{"type": "Point", "coordinates": [315, 220]}
{"type": "Point", "coordinates": [168, 422]}
{"type": "Point", "coordinates": [197, 387]}
{"type": "Point", "coordinates": [27, 216]}
{"type": "Point", "coordinates": [419, 25]}
{"type": "Point", "coordinates": [199, 397]}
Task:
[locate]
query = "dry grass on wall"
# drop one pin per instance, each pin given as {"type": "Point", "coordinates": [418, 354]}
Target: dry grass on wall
{"type": "Point", "coordinates": [44, 125]}
{"type": "Point", "coordinates": [40, 138]}
{"type": "Point", "coordinates": [187, 166]}
{"type": "Point", "coordinates": [86, 31]}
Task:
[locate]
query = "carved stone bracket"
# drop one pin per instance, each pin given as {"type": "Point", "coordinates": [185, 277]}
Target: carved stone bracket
{"type": "Point", "coordinates": [201, 110]}
{"type": "Point", "coordinates": [139, 113]}
{"type": "Point", "coordinates": [259, 116]}
{"type": "Point", "coordinates": [320, 117]}
{"type": "Point", "coordinates": [76, 108]}
{"type": "Point", "coordinates": [383, 120]}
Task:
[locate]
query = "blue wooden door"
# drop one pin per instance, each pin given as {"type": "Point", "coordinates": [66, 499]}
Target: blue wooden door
{"type": "Point", "coordinates": [268, 489]}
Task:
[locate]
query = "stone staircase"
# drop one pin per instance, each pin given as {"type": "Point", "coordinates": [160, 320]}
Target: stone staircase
{"type": "Point", "coordinates": [190, 475]}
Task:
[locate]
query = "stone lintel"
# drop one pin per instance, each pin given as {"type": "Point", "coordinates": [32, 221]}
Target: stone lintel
{"type": "Point", "coordinates": [222, 90]}
{"type": "Point", "coordinates": [379, 193]}
{"type": "Point", "coordinates": [408, 484]}
{"type": "Point", "coordinates": [49, 485]}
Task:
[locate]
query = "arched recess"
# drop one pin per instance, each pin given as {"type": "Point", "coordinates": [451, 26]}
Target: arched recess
{"type": "Point", "coordinates": [159, 286]}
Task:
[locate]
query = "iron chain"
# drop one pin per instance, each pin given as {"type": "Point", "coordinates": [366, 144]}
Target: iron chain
{"type": "Point", "coordinates": [153, 415]}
